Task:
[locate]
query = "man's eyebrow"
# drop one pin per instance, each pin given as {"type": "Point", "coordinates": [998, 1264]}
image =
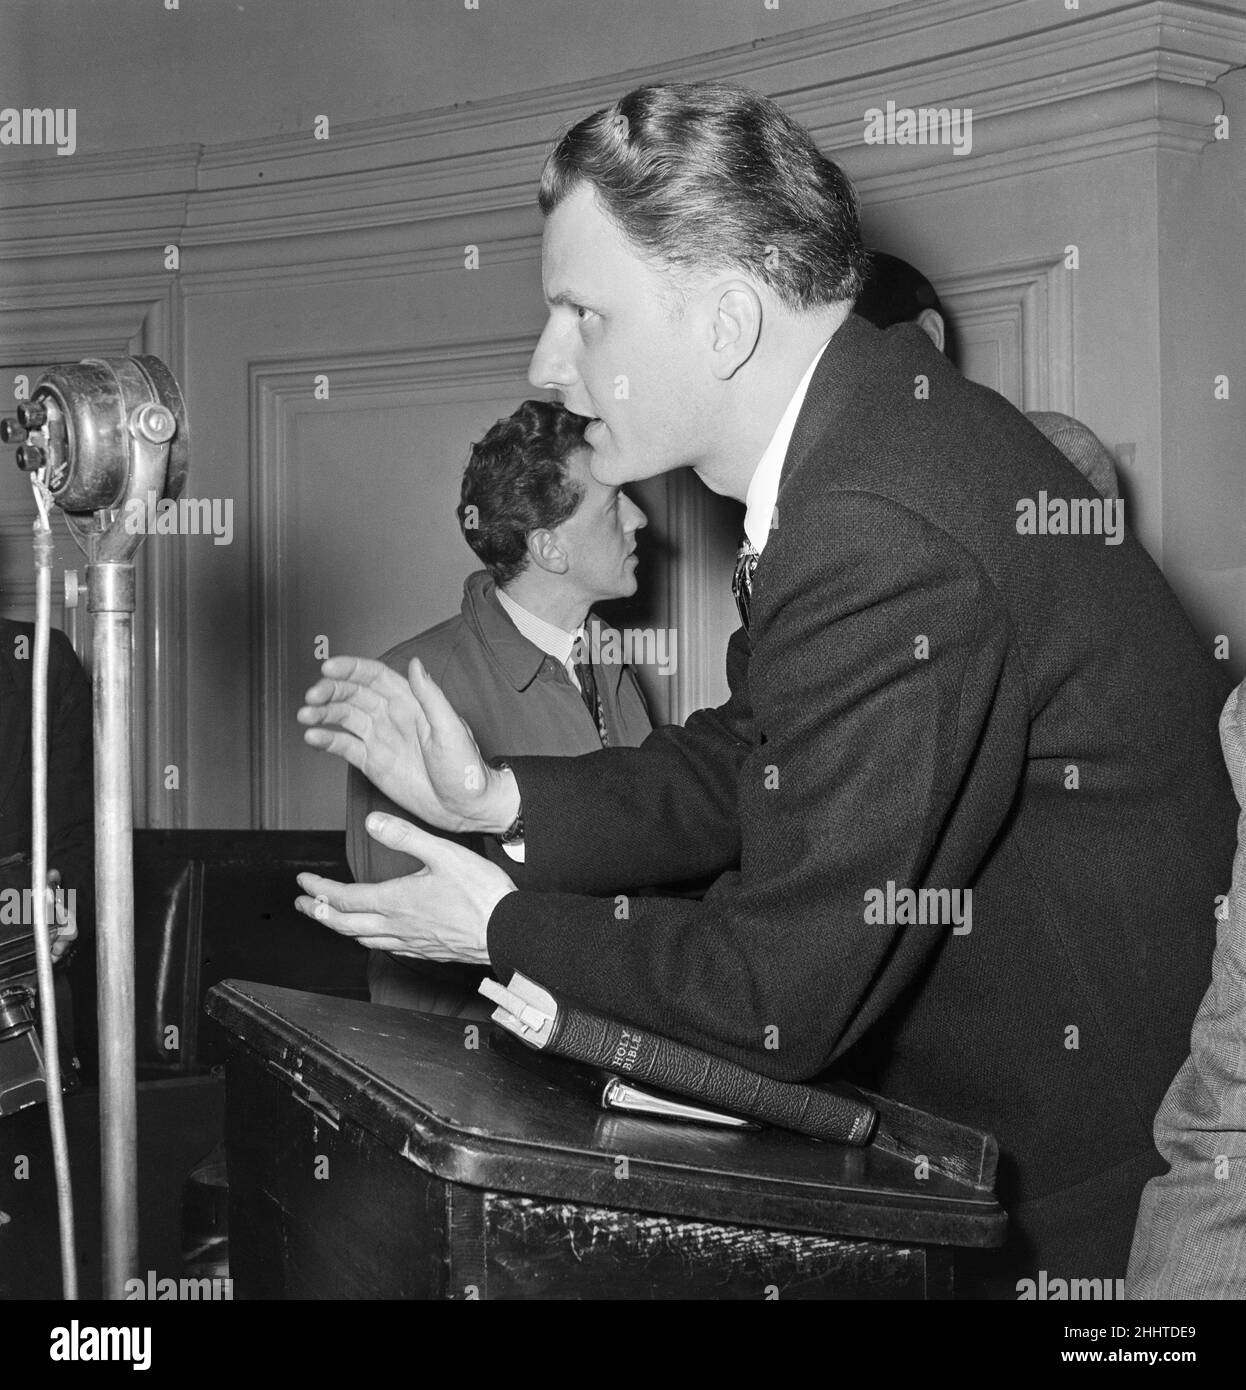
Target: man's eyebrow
{"type": "Point", "coordinates": [568, 297]}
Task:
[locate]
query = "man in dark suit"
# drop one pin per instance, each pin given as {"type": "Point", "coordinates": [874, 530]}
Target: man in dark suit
{"type": "Point", "coordinates": [957, 672]}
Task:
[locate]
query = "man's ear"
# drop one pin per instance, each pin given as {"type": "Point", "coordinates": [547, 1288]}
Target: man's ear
{"type": "Point", "coordinates": [546, 553]}
{"type": "Point", "coordinates": [930, 321]}
{"type": "Point", "coordinates": [736, 326]}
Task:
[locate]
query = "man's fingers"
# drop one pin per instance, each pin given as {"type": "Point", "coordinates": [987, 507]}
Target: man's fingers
{"type": "Point", "coordinates": [357, 673]}
{"type": "Point", "coordinates": [423, 729]}
{"type": "Point", "coordinates": [326, 699]}
{"type": "Point", "coordinates": [356, 924]}
{"type": "Point", "coordinates": [441, 715]}
{"type": "Point", "coordinates": [346, 907]}
{"type": "Point", "coordinates": [399, 834]}
{"type": "Point", "coordinates": [345, 716]}
{"type": "Point", "coordinates": [342, 897]}
{"type": "Point", "coordinates": [360, 670]}
{"type": "Point", "coordinates": [335, 741]}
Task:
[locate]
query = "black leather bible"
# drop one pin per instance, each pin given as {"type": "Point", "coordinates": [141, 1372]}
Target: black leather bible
{"type": "Point", "coordinates": [608, 1089]}
{"type": "Point", "coordinates": [533, 1014]}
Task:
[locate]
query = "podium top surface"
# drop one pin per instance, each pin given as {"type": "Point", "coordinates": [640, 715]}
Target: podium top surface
{"type": "Point", "coordinates": [477, 1116]}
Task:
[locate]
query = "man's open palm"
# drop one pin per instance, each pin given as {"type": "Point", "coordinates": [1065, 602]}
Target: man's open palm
{"type": "Point", "coordinates": [407, 739]}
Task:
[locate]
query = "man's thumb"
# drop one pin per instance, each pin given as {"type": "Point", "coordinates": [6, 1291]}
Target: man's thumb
{"type": "Point", "coordinates": [399, 834]}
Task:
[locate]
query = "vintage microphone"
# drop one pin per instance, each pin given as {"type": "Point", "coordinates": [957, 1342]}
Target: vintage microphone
{"type": "Point", "coordinates": [99, 435]}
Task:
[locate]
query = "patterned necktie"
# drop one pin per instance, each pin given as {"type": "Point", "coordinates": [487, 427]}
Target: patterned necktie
{"type": "Point", "coordinates": [588, 692]}
{"type": "Point", "coordinates": [742, 579]}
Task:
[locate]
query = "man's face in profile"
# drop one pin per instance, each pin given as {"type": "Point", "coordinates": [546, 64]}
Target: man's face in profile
{"type": "Point", "coordinates": [614, 348]}
{"type": "Point", "coordinates": [599, 537]}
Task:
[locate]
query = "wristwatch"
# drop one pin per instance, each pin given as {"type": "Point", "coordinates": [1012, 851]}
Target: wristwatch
{"type": "Point", "coordinates": [513, 834]}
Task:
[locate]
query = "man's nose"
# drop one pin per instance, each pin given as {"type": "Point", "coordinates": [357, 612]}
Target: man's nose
{"type": "Point", "coordinates": [550, 366]}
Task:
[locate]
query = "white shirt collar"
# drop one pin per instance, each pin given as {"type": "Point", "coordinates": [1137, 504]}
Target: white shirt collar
{"type": "Point", "coordinates": [763, 489]}
{"type": "Point", "coordinates": [552, 640]}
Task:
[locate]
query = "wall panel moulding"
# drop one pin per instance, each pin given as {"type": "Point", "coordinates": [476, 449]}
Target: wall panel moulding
{"type": "Point", "coordinates": [1045, 86]}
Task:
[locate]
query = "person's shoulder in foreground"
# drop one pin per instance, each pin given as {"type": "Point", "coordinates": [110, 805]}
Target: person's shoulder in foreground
{"type": "Point", "coordinates": [1190, 1240]}
{"type": "Point", "coordinates": [450, 650]}
{"type": "Point", "coordinates": [1081, 446]}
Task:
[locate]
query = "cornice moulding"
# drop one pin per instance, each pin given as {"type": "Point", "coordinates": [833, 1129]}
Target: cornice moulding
{"type": "Point", "coordinates": [1154, 115]}
{"type": "Point", "coordinates": [350, 255]}
{"type": "Point", "coordinates": [981, 48]}
{"type": "Point", "coordinates": [107, 178]}
{"type": "Point", "coordinates": [93, 228]}
{"type": "Point", "coordinates": [1043, 91]}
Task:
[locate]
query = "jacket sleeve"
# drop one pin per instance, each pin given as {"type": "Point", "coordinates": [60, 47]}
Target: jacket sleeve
{"type": "Point", "coordinates": [890, 730]}
{"type": "Point", "coordinates": [628, 818]}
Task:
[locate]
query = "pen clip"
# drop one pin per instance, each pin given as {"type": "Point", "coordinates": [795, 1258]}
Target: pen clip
{"type": "Point", "coordinates": [524, 1008]}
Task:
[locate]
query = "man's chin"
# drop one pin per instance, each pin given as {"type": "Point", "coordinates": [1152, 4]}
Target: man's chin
{"type": "Point", "coordinates": [609, 469]}
{"type": "Point", "coordinates": [617, 470]}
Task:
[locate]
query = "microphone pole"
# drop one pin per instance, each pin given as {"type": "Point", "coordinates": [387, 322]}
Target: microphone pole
{"type": "Point", "coordinates": [104, 433]}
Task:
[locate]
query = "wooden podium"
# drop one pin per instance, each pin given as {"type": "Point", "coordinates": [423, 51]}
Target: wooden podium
{"type": "Point", "coordinates": [379, 1153]}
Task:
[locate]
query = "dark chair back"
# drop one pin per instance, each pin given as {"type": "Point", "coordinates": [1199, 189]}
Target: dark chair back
{"type": "Point", "coordinates": [215, 904]}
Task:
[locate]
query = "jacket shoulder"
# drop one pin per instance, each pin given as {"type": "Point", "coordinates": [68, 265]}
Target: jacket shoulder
{"type": "Point", "coordinates": [437, 648]}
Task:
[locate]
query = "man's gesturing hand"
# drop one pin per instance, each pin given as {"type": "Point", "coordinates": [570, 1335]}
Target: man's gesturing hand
{"type": "Point", "coordinates": [406, 738]}
{"type": "Point", "coordinates": [440, 913]}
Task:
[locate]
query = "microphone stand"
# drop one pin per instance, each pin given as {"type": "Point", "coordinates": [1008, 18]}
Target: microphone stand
{"type": "Point", "coordinates": [103, 433]}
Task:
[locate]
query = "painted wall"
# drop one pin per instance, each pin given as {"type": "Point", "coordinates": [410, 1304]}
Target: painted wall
{"type": "Point", "coordinates": [1202, 310]}
{"type": "Point", "coordinates": [216, 71]}
{"type": "Point", "coordinates": [345, 260]}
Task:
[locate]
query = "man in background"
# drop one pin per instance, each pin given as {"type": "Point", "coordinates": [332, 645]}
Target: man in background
{"type": "Point", "coordinates": [517, 659]}
{"type": "Point", "coordinates": [897, 292]}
